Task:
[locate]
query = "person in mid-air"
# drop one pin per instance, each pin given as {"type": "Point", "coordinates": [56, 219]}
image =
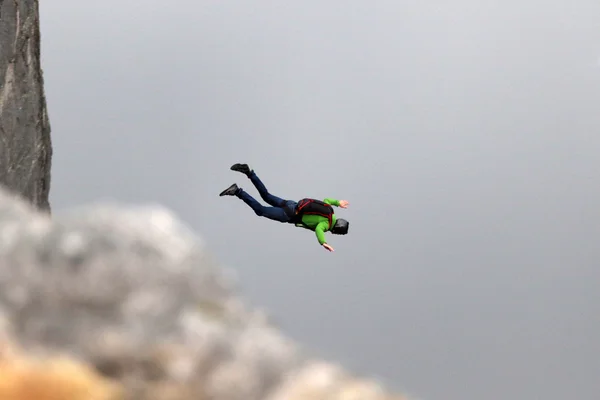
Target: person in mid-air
{"type": "Point", "coordinates": [308, 213]}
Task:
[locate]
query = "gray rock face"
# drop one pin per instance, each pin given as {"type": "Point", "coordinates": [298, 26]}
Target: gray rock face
{"type": "Point", "coordinates": [25, 144]}
{"type": "Point", "coordinates": [133, 292]}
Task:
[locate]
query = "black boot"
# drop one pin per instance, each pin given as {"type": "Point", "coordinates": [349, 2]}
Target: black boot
{"type": "Point", "coordinates": [243, 168]}
{"type": "Point", "coordinates": [230, 191]}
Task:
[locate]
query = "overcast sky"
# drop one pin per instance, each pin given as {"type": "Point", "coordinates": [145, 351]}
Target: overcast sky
{"type": "Point", "coordinates": [464, 134]}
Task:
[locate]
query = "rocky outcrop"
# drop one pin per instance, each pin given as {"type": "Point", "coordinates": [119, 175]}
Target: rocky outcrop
{"type": "Point", "coordinates": [134, 296]}
{"type": "Point", "coordinates": [25, 144]}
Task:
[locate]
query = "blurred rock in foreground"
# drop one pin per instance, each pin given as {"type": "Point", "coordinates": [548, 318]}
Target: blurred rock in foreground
{"type": "Point", "coordinates": [133, 295]}
{"type": "Point", "coordinates": [60, 378]}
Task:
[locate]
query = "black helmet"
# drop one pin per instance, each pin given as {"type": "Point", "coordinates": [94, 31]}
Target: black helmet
{"type": "Point", "coordinates": [340, 227]}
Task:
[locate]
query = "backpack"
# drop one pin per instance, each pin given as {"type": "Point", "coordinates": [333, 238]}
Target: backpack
{"type": "Point", "coordinates": [314, 207]}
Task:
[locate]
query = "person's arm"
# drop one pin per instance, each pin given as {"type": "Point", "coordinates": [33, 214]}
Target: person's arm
{"type": "Point", "coordinates": [335, 202]}
{"type": "Point", "coordinates": [320, 232]}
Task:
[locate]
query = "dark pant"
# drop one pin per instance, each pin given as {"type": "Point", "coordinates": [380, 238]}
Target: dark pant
{"type": "Point", "coordinates": [281, 210]}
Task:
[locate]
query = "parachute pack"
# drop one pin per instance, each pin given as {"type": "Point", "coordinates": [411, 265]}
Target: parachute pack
{"type": "Point", "coordinates": [314, 207]}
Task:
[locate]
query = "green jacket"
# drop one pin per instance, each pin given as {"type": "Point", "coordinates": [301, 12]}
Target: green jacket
{"type": "Point", "coordinates": [319, 224]}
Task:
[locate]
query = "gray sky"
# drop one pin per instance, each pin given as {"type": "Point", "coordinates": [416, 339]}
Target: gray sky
{"type": "Point", "coordinates": [464, 134]}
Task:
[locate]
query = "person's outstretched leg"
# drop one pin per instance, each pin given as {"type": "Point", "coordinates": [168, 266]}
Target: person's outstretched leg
{"type": "Point", "coordinates": [274, 213]}
{"type": "Point", "coordinates": [262, 190]}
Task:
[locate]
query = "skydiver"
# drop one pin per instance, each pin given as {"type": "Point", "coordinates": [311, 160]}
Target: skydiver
{"type": "Point", "coordinates": [312, 214]}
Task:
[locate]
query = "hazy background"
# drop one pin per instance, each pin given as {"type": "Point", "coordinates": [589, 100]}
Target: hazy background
{"type": "Point", "coordinates": [464, 134]}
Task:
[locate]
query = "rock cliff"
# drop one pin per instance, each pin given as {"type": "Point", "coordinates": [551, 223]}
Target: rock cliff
{"type": "Point", "coordinates": [25, 145]}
